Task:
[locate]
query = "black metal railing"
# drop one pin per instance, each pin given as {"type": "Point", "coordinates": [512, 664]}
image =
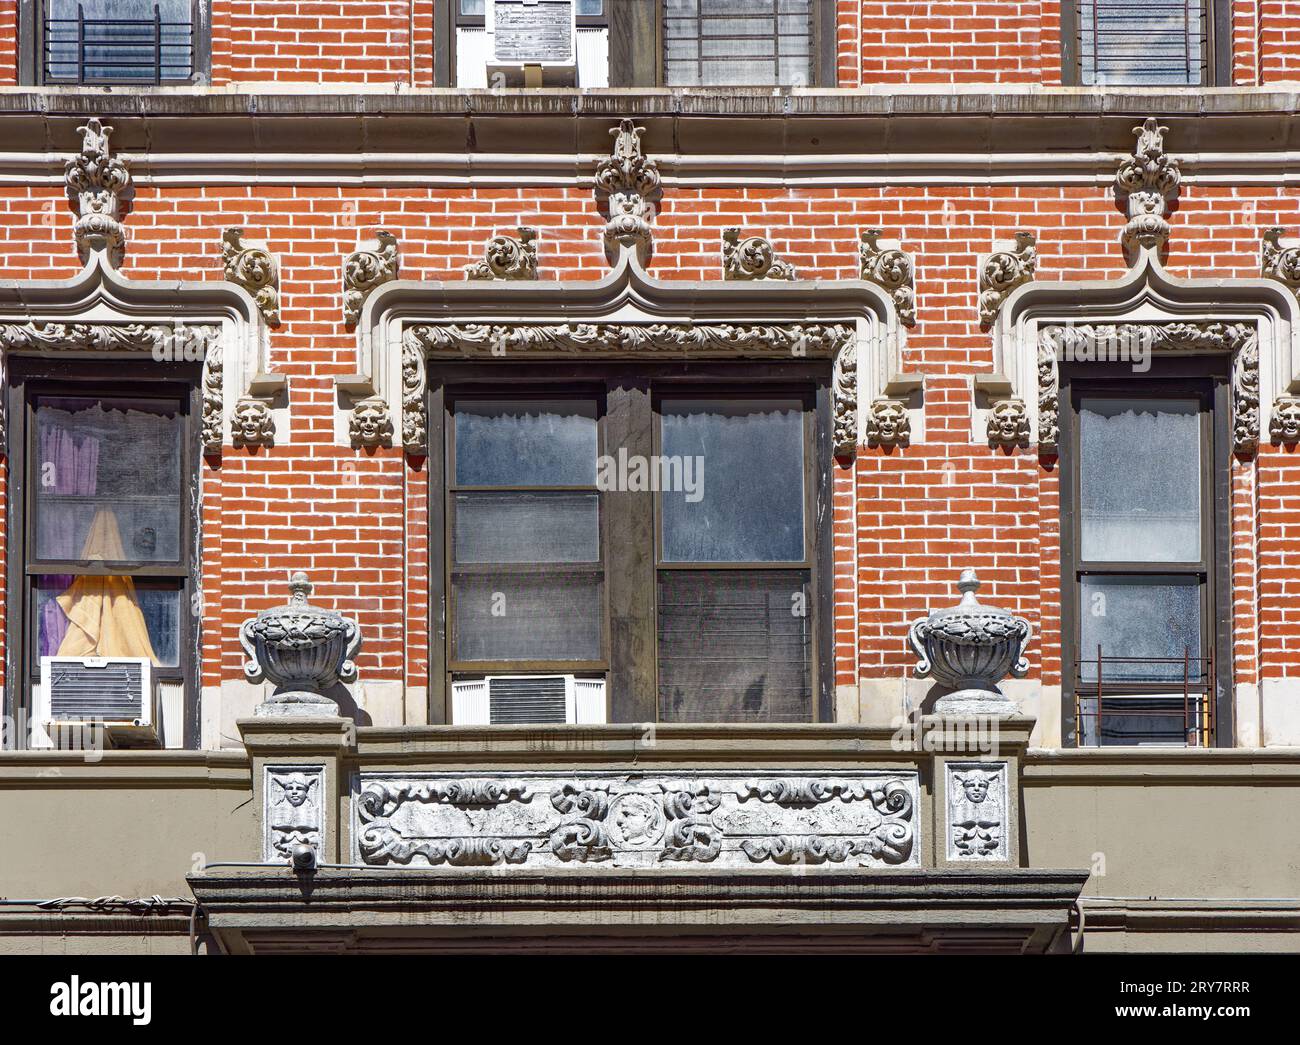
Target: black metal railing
{"type": "Point", "coordinates": [92, 50]}
{"type": "Point", "coordinates": [1143, 42]}
{"type": "Point", "coordinates": [1145, 700]}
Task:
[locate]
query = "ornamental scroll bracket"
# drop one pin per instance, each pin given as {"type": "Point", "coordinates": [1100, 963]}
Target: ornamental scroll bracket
{"type": "Point", "coordinates": [1012, 264]}
{"type": "Point", "coordinates": [884, 263]}
{"type": "Point", "coordinates": [752, 258]}
{"type": "Point", "coordinates": [505, 257]}
{"type": "Point", "coordinates": [371, 264]}
{"type": "Point", "coordinates": [254, 268]}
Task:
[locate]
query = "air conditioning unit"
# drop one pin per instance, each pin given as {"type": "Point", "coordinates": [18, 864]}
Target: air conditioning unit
{"type": "Point", "coordinates": [87, 693]}
{"type": "Point", "coordinates": [532, 43]}
{"type": "Point", "coordinates": [504, 700]}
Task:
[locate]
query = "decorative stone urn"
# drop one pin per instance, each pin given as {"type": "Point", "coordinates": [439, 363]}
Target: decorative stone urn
{"type": "Point", "coordinates": [303, 650]}
{"type": "Point", "coordinates": [970, 648]}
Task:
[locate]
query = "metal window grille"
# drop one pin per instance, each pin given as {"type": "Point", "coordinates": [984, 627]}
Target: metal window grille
{"type": "Point", "coordinates": [738, 42]}
{"type": "Point", "coordinates": [1134, 42]}
{"type": "Point", "coordinates": [1112, 708]}
{"type": "Point", "coordinates": [95, 44]}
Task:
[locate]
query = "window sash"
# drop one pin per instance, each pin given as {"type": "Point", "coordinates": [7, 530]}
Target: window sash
{"type": "Point", "coordinates": [1210, 61]}
{"type": "Point", "coordinates": [182, 56]}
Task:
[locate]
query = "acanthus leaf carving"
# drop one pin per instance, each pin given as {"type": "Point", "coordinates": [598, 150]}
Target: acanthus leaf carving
{"type": "Point", "coordinates": [583, 838]}
{"type": "Point", "coordinates": [1146, 186]}
{"type": "Point", "coordinates": [366, 268]}
{"type": "Point", "coordinates": [506, 257]}
{"type": "Point", "coordinates": [414, 422]}
{"type": "Point", "coordinates": [99, 187]}
{"type": "Point", "coordinates": [692, 837]}
{"type": "Point", "coordinates": [752, 258]}
{"type": "Point", "coordinates": [212, 434]}
{"type": "Point", "coordinates": [1003, 271]}
{"type": "Point", "coordinates": [254, 268]}
{"type": "Point", "coordinates": [891, 269]}
{"type": "Point", "coordinates": [1280, 258]}
{"type": "Point", "coordinates": [627, 185]}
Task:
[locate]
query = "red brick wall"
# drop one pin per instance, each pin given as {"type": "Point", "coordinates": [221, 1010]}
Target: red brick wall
{"type": "Point", "coordinates": [1279, 41]}
{"type": "Point", "coordinates": [906, 520]}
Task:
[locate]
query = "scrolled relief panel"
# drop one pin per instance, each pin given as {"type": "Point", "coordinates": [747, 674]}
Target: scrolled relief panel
{"type": "Point", "coordinates": [851, 820]}
{"type": "Point", "coordinates": [977, 805]}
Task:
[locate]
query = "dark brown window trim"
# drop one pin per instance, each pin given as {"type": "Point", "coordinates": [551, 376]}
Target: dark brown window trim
{"type": "Point", "coordinates": [33, 376]}
{"type": "Point", "coordinates": [1212, 376]}
{"type": "Point", "coordinates": [628, 420]}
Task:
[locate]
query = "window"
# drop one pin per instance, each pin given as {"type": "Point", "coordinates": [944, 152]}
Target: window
{"type": "Point", "coordinates": [1158, 42]}
{"type": "Point", "coordinates": [738, 42]}
{"type": "Point", "coordinates": [1145, 479]}
{"type": "Point", "coordinates": [107, 529]}
{"type": "Point", "coordinates": [473, 47]}
{"type": "Point", "coordinates": [654, 532]}
{"type": "Point", "coordinates": [115, 41]}
{"type": "Point", "coordinates": [674, 43]}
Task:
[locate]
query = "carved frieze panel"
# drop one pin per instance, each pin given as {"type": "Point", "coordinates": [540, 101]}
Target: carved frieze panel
{"type": "Point", "coordinates": [853, 819]}
{"type": "Point", "coordinates": [293, 811]}
{"type": "Point", "coordinates": [1136, 342]}
{"type": "Point", "coordinates": [977, 805]}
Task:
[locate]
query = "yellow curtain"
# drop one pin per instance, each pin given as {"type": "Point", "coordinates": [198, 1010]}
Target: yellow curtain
{"type": "Point", "coordinates": [104, 619]}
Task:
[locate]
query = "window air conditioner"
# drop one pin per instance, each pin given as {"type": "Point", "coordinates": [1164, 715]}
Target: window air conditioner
{"type": "Point", "coordinates": [502, 700]}
{"type": "Point", "coordinates": [532, 43]}
{"type": "Point", "coordinates": [115, 693]}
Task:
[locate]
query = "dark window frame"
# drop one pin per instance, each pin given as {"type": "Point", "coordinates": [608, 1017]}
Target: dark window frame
{"type": "Point", "coordinates": [31, 377]}
{"type": "Point", "coordinates": [1185, 377]}
{"type": "Point", "coordinates": [1218, 45]}
{"type": "Point", "coordinates": [31, 65]}
{"type": "Point", "coordinates": [636, 43]}
{"type": "Point", "coordinates": [629, 531]}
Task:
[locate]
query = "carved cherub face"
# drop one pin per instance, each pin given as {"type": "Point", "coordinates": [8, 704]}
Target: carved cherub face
{"type": "Point", "coordinates": [975, 784]}
{"type": "Point", "coordinates": [296, 788]}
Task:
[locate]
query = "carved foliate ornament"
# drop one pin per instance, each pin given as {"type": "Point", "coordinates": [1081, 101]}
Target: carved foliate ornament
{"type": "Point", "coordinates": [414, 437]}
{"type": "Point", "coordinates": [1284, 426]}
{"type": "Point", "coordinates": [751, 258]}
{"type": "Point", "coordinates": [370, 423]}
{"type": "Point", "coordinates": [253, 268]}
{"type": "Point", "coordinates": [1280, 259]}
{"type": "Point", "coordinates": [99, 187]}
{"type": "Point", "coordinates": [1008, 423]}
{"type": "Point", "coordinates": [1087, 342]}
{"type": "Point", "coordinates": [365, 269]}
{"type": "Point", "coordinates": [293, 803]}
{"type": "Point", "coordinates": [977, 801]}
{"type": "Point", "coordinates": [1003, 271]}
{"type": "Point", "coordinates": [1146, 186]}
{"type": "Point", "coordinates": [212, 434]}
{"type": "Point", "coordinates": [505, 257]}
{"type": "Point", "coordinates": [888, 423]}
{"type": "Point", "coordinates": [628, 184]}
{"type": "Point", "coordinates": [886, 265]}
{"type": "Point", "coordinates": [252, 423]}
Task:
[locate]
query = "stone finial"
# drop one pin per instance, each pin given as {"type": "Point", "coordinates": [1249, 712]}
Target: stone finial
{"type": "Point", "coordinates": [628, 184]}
{"type": "Point", "coordinates": [505, 257]}
{"type": "Point", "coordinates": [751, 258]}
{"type": "Point", "coordinates": [253, 267]}
{"type": "Point", "coordinates": [970, 648]}
{"type": "Point", "coordinates": [302, 650]}
{"type": "Point", "coordinates": [884, 263]}
{"type": "Point", "coordinates": [1146, 186]}
{"type": "Point", "coordinates": [366, 268]}
{"type": "Point", "coordinates": [99, 187]}
{"type": "Point", "coordinates": [1011, 264]}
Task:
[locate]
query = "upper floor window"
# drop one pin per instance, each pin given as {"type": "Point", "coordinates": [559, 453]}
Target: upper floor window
{"type": "Point", "coordinates": [117, 41]}
{"type": "Point", "coordinates": [1136, 42]}
{"type": "Point", "coordinates": [1144, 460]}
{"type": "Point", "coordinates": [105, 534]}
{"type": "Point", "coordinates": [738, 42]}
{"type": "Point", "coordinates": [641, 548]}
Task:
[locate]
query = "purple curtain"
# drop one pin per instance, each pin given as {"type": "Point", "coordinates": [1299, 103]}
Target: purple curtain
{"type": "Point", "coordinates": [68, 464]}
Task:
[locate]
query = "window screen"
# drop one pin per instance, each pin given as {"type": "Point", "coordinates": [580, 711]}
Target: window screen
{"type": "Point", "coordinates": [738, 42]}
{"type": "Point", "coordinates": [1136, 42]}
